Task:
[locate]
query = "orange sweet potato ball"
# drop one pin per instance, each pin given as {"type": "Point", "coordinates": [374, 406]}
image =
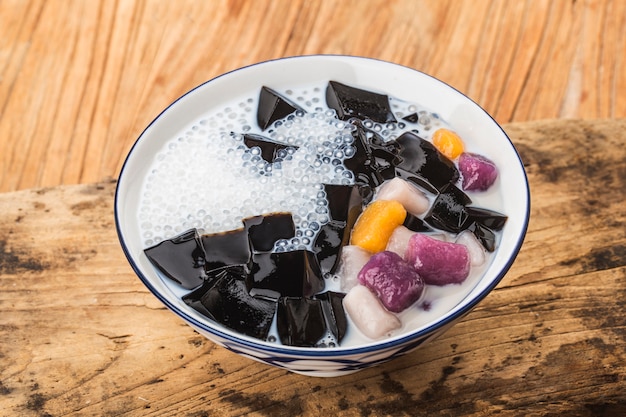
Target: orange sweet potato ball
{"type": "Point", "coordinates": [376, 224]}
{"type": "Point", "coordinates": [448, 143]}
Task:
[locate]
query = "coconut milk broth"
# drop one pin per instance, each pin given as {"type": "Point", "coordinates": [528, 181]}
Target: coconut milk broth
{"type": "Point", "coordinates": [193, 182]}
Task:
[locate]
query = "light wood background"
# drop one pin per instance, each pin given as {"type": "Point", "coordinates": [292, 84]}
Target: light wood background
{"type": "Point", "coordinates": [80, 79]}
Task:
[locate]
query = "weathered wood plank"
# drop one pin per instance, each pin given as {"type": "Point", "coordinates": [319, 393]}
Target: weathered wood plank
{"type": "Point", "coordinates": [82, 336]}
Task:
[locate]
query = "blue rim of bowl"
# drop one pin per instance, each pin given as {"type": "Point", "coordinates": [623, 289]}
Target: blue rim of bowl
{"type": "Point", "coordinates": [338, 351]}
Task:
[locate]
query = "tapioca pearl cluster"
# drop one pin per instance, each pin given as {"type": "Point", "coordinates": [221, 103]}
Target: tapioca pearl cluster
{"type": "Point", "coordinates": [179, 193]}
{"type": "Point", "coordinates": [427, 121]}
{"type": "Point", "coordinates": [388, 131]}
{"type": "Point", "coordinates": [323, 142]}
{"type": "Point", "coordinates": [238, 117]}
{"type": "Point", "coordinates": [310, 97]}
{"type": "Point", "coordinates": [308, 219]}
{"type": "Point", "coordinates": [209, 180]}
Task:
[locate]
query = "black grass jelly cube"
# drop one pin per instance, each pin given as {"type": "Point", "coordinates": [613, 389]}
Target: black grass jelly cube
{"type": "Point", "coordinates": [226, 248]}
{"type": "Point", "coordinates": [287, 274]}
{"type": "Point", "coordinates": [273, 107]}
{"type": "Point", "coordinates": [449, 211]}
{"type": "Point", "coordinates": [270, 149]}
{"type": "Point", "coordinates": [228, 302]}
{"type": "Point", "coordinates": [420, 157]}
{"type": "Point", "coordinates": [181, 259]}
{"type": "Point", "coordinates": [263, 231]}
{"type": "Point", "coordinates": [351, 102]}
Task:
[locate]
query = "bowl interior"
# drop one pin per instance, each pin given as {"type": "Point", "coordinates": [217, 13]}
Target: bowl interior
{"type": "Point", "coordinates": [467, 118]}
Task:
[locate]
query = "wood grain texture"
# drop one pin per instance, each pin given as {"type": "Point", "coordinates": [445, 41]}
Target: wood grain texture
{"type": "Point", "coordinates": [80, 335]}
{"type": "Point", "coordinates": [80, 80]}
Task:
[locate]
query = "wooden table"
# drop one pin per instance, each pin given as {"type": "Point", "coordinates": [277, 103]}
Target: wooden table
{"type": "Point", "coordinates": [80, 334]}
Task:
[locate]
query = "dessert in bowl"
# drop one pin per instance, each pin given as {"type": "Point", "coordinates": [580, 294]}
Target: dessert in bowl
{"type": "Point", "coordinates": [322, 214]}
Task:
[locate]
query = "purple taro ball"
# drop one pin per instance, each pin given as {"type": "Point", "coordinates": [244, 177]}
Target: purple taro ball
{"type": "Point", "coordinates": [438, 262]}
{"type": "Point", "coordinates": [393, 280]}
{"type": "Point", "coordinates": [477, 171]}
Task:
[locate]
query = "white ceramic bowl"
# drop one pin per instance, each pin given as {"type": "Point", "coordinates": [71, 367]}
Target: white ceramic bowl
{"type": "Point", "coordinates": [466, 117]}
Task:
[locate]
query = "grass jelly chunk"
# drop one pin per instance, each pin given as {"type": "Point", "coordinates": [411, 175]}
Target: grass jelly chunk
{"type": "Point", "coordinates": [229, 303]}
{"type": "Point", "coordinates": [181, 259]}
{"type": "Point", "coordinates": [226, 248]}
{"type": "Point", "coordinates": [449, 211]}
{"type": "Point", "coordinates": [351, 102]}
{"type": "Point", "coordinates": [264, 230]}
{"type": "Point", "coordinates": [269, 148]}
{"type": "Point", "coordinates": [273, 107]}
{"type": "Point", "coordinates": [420, 157]}
{"type": "Point", "coordinates": [300, 321]}
{"type": "Point", "coordinates": [287, 274]}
